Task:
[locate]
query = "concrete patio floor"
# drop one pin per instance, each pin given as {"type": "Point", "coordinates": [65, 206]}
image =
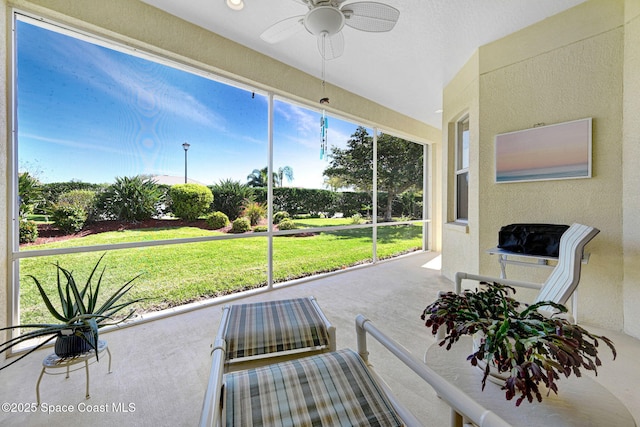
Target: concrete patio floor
{"type": "Point", "coordinates": [160, 367]}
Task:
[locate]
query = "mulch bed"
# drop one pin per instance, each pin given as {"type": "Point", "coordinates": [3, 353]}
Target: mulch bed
{"type": "Point", "coordinates": [48, 233]}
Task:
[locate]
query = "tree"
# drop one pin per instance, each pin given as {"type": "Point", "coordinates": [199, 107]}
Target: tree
{"type": "Point", "coordinates": [284, 172]}
{"type": "Point", "coordinates": [399, 165]}
{"type": "Point", "coordinates": [29, 193]}
{"type": "Point", "coordinates": [258, 178]}
{"type": "Point", "coordinates": [334, 183]}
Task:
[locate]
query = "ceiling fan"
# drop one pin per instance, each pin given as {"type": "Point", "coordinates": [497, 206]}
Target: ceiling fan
{"type": "Point", "coordinates": [326, 18]}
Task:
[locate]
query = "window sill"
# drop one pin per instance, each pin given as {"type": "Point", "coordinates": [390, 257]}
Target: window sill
{"type": "Point", "coordinates": [461, 227]}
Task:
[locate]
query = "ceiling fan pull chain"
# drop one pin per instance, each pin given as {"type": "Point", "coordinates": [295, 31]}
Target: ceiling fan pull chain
{"type": "Point", "coordinates": [324, 99]}
{"type": "Point", "coordinates": [324, 61]}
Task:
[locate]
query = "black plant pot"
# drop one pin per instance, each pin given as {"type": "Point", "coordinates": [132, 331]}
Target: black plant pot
{"type": "Point", "coordinates": [73, 345]}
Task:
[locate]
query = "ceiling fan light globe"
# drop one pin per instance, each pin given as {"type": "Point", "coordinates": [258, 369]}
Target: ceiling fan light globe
{"type": "Point", "coordinates": [235, 4]}
{"type": "Point", "coordinates": [324, 19]}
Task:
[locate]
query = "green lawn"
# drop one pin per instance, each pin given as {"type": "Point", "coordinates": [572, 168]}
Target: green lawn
{"type": "Point", "coordinates": [177, 274]}
{"type": "Point", "coordinates": [321, 222]}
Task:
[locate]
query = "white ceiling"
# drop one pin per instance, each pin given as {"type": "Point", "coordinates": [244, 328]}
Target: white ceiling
{"type": "Point", "coordinates": [405, 69]}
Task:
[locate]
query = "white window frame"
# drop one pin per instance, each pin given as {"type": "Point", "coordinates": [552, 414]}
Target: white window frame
{"type": "Point", "coordinates": [461, 167]}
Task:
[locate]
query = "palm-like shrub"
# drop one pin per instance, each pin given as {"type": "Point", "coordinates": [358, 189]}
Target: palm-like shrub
{"type": "Point", "coordinates": [189, 201]}
{"type": "Point", "coordinates": [356, 218]}
{"type": "Point", "coordinates": [230, 196]}
{"type": "Point", "coordinates": [130, 199]}
{"type": "Point", "coordinates": [255, 212]}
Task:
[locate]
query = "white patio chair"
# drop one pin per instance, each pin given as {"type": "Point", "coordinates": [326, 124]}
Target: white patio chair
{"type": "Point", "coordinates": [563, 280]}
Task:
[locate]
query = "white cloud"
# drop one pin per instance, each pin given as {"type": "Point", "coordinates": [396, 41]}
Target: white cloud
{"type": "Point", "coordinates": [106, 148]}
{"type": "Point", "coordinates": [131, 82]}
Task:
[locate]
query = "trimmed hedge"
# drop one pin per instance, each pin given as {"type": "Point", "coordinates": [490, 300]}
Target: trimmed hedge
{"type": "Point", "coordinates": [28, 231]}
{"type": "Point", "coordinates": [69, 218]}
{"type": "Point", "coordinates": [84, 199]}
{"type": "Point", "coordinates": [297, 201]}
{"type": "Point", "coordinates": [217, 220]}
{"type": "Point", "coordinates": [286, 224]}
{"type": "Point", "coordinates": [51, 192]}
{"type": "Point", "coordinates": [189, 201]}
{"type": "Point", "coordinates": [241, 225]}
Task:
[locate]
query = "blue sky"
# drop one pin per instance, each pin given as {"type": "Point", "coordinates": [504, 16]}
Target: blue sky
{"type": "Point", "coordinates": [89, 113]}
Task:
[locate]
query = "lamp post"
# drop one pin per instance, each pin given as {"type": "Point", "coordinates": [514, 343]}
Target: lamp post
{"type": "Point", "coordinates": [186, 146]}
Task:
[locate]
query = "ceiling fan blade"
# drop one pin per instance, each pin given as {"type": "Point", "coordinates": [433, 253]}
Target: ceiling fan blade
{"type": "Point", "coordinates": [331, 47]}
{"type": "Point", "coordinates": [283, 29]}
{"type": "Point", "coordinates": [370, 16]}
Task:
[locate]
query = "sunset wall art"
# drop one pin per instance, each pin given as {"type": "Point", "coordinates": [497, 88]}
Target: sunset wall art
{"type": "Point", "coordinates": [560, 151]}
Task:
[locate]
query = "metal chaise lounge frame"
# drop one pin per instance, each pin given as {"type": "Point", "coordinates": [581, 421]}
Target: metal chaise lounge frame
{"type": "Point", "coordinates": [327, 389]}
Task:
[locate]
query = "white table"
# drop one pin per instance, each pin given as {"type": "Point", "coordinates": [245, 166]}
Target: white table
{"type": "Point", "coordinates": [53, 362]}
{"type": "Point", "coordinates": [506, 257]}
{"type": "Point", "coordinates": [580, 401]}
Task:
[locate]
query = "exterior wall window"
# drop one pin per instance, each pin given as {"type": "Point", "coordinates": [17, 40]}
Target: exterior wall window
{"type": "Point", "coordinates": [462, 169]}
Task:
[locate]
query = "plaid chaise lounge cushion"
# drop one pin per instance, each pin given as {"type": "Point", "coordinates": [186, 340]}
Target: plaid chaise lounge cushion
{"type": "Point", "coordinates": [330, 389]}
{"type": "Point", "coordinates": [269, 327]}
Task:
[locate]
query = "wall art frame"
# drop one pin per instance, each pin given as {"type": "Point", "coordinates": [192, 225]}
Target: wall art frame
{"type": "Point", "coordinates": [543, 153]}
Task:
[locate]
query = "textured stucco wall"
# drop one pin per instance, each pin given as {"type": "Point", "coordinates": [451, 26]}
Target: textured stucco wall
{"type": "Point", "coordinates": [583, 79]}
{"type": "Point", "coordinates": [459, 242]}
{"type": "Point", "coordinates": [631, 171]}
{"type": "Point", "coordinates": [568, 75]}
{"type": "Point", "coordinates": [567, 67]}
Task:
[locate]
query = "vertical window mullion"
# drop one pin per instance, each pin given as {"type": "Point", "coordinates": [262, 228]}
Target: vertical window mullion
{"type": "Point", "coordinates": [374, 197]}
{"type": "Point", "coordinates": [462, 170]}
{"type": "Point", "coordinates": [426, 198]}
{"type": "Point", "coordinates": [270, 192]}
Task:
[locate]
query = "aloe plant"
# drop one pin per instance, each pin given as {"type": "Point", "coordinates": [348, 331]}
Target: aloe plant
{"type": "Point", "coordinates": [532, 344]}
{"type": "Point", "coordinates": [78, 310]}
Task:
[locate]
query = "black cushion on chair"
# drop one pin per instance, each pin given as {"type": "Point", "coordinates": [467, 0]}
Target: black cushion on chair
{"type": "Point", "coordinates": [531, 239]}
